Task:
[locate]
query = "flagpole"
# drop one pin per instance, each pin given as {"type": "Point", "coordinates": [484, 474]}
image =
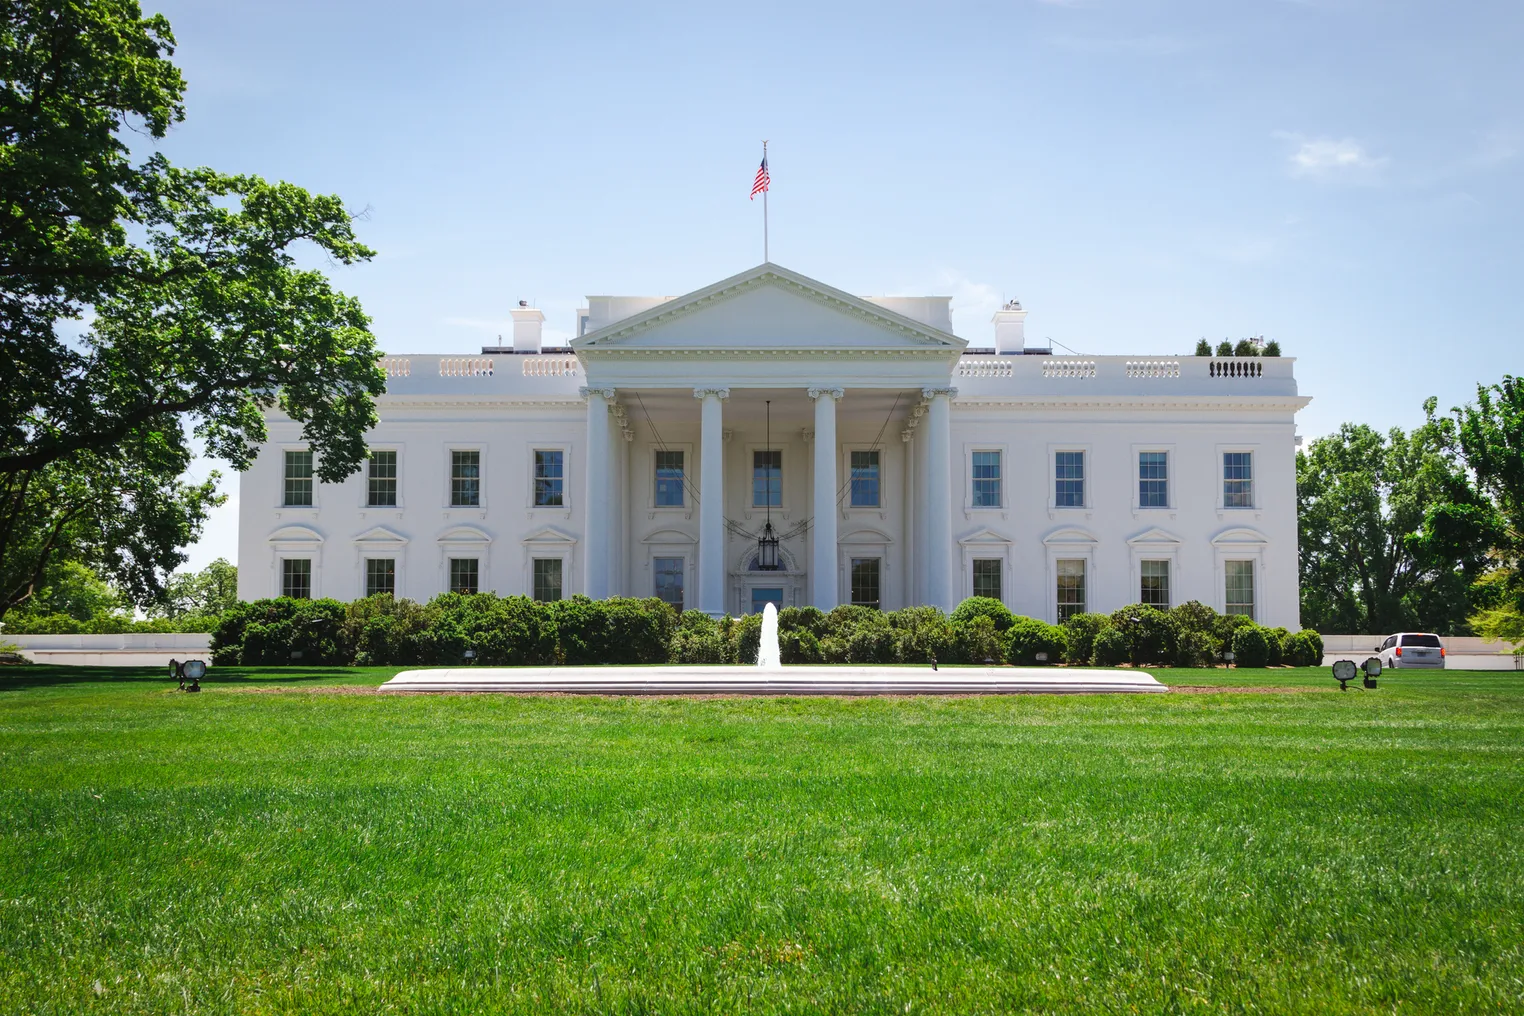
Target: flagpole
{"type": "Point", "coordinates": [765, 257]}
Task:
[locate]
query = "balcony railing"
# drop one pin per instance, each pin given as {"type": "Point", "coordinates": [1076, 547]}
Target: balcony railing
{"type": "Point", "coordinates": [465, 366]}
{"type": "Point", "coordinates": [550, 366]}
{"type": "Point", "coordinates": [397, 366]}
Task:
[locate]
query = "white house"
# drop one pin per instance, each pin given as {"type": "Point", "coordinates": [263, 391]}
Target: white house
{"type": "Point", "coordinates": [896, 463]}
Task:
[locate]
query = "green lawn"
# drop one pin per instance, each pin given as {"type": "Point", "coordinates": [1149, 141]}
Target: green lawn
{"type": "Point", "coordinates": [1298, 850]}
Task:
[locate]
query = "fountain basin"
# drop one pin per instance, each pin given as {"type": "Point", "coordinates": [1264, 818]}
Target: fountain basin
{"type": "Point", "coordinates": [792, 680]}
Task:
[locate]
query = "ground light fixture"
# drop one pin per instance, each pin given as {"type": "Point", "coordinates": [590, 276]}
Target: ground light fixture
{"type": "Point", "coordinates": [1345, 671]}
{"type": "Point", "coordinates": [469, 655]}
{"type": "Point", "coordinates": [191, 671]}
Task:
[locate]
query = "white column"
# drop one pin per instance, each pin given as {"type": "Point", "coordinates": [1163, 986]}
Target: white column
{"type": "Point", "coordinates": [939, 498]}
{"type": "Point", "coordinates": [823, 563]}
{"type": "Point", "coordinates": [711, 552]}
{"type": "Point", "coordinates": [598, 541]}
{"type": "Point", "coordinates": [908, 528]}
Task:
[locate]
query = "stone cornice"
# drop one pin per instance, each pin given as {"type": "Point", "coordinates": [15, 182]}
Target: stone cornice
{"type": "Point", "coordinates": [791, 352]}
{"type": "Point", "coordinates": [1201, 403]}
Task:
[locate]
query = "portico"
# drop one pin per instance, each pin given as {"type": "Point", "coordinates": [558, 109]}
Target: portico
{"type": "Point", "coordinates": [843, 377]}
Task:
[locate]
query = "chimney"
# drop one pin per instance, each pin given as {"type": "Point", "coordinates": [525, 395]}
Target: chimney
{"type": "Point", "coordinates": [1010, 328]}
{"type": "Point", "coordinates": [527, 321]}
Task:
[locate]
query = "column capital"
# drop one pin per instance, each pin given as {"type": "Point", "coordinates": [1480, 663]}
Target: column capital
{"type": "Point", "coordinates": [931, 393]}
{"type": "Point", "coordinates": [704, 393]}
{"type": "Point", "coordinates": [585, 391]}
{"type": "Point", "coordinates": [835, 393]}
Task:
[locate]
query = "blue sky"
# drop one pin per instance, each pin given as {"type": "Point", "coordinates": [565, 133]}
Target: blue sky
{"type": "Point", "coordinates": [1341, 175]}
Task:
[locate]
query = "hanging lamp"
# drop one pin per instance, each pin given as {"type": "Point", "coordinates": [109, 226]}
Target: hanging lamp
{"type": "Point", "coordinates": [767, 543]}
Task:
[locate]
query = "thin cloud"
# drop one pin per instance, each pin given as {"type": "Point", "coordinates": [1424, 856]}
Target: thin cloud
{"type": "Point", "coordinates": [1330, 157]}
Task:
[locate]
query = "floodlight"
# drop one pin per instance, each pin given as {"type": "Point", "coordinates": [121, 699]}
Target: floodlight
{"type": "Point", "coordinates": [1344, 671]}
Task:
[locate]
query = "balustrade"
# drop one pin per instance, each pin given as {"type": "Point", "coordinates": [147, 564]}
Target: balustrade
{"type": "Point", "coordinates": [397, 366]}
{"type": "Point", "coordinates": [1153, 368]}
{"type": "Point", "coordinates": [550, 366]}
{"type": "Point", "coordinates": [1056, 366]}
{"type": "Point", "coordinates": [970, 367]}
{"type": "Point", "coordinates": [1238, 367]}
{"type": "Point", "coordinates": [465, 366]}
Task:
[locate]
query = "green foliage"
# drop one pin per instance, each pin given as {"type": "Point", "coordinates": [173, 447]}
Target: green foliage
{"type": "Point", "coordinates": [984, 606]}
{"type": "Point", "coordinates": [1275, 640]}
{"type": "Point", "coordinates": [700, 639]}
{"type": "Point", "coordinates": [1195, 649]}
{"type": "Point", "coordinates": [1392, 531]}
{"type": "Point", "coordinates": [1224, 348]}
{"type": "Point", "coordinates": [211, 591]}
{"type": "Point", "coordinates": [26, 623]}
{"type": "Point", "coordinates": [1029, 636]}
{"type": "Point", "coordinates": [1272, 348]}
{"type": "Point", "coordinates": [977, 639]}
{"type": "Point", "coordinates": [1245, 347]}
{"type": "Point", "coordinates": [1080, 631]}
{"type": "Point", "coordinates": [924, 634]}
{"type": "Point", "coordinates": [1111, 648]}
{"type": "Point", "coordinates": [743, 637]}
{"type": "Point", "coordinates": [1151, 634]}
{"type": "Point", "coordinates": [270, 631]}
{"type": "Point", "coordinates": [74, 589]}
{"type": "Point", "coordinates": [1303, 649]}
{"type": "Point", "coordinates": [198, 317]}
{"type": "Point", "coordinates": [1203, 347]}
{"type": "Point", "coordinates": [1251, 647]}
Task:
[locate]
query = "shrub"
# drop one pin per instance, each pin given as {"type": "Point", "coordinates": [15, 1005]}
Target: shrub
{"type": "Point", "coordinates": [1152, 635]}
{"type": "Point", "coordinates": [1251, 648]}
{"type": "Point", "coordinates": [1111, 648]}
{"type": "Point", "coordinates": [1275, 642]}
{"type": "Point", "coordinates": [1195, 649]}
{"type": "Point", "coordinates": [744, 637]}
{"type": "Point", "coordinates": [1224, 348]}
{"type": "Point", "coordinates": [1272, 348]}
{"type": "Point", "coordinates": [21, 623]}
{"type": "Point", "coordinates": [1029, 636]}
{"type": "Point", "coordinates": [1203, 348]}
{"type": "Point", "coordinates": [699, 638]}
{"type": "Point", "coordinates": [1245, 347]}
{"type": "Point", "coordinates": [384, 629]}
{"type": "Point", "coordinates": [1193, 615]}
{"type": "Point", "coordinates": [976, 640]}
{"type": "Point", "coordinates": [873, 645]}
{"type": "Point", "coordinates": [271, 631]}
{"type": "Point", "coordinates": [1224, 627]}
{"type": "Point", "coordinates": [799, 646]}
{"type": "Point", "coordinates": [1304, 649]}
{"type": "Point", "coordinates": [810, 619]}
{"type": "Point", "coordinates": [1080, 631]}
{"type": "Point", "coordinates": [923, 633]}
{"type": "Point", "coordinates": [984, 606]}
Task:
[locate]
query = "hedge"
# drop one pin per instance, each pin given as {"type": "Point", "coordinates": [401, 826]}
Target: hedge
{"type": "Point", "coordinates": [107, 624]}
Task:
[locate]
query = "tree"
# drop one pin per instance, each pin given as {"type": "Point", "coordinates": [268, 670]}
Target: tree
{"type": "Point", "coordinates": [197, 308]}
{"type": "Point", "coordinates": [1392, 532]}
{"type": "Point", "coordinates": [1224, 348]}
{"type": "Point", "coordinates": [1203, 347]}
{"type": "Point", "coordinates": [75, 589]}
{"type": "Point", "coordinates": [212, 590]}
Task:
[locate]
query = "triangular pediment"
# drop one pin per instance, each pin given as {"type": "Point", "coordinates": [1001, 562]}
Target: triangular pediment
{"type": "Point", "coordinates": [1154, 537]}
{"type": "Point", "coordinates": [984, 538]}
{"type": "Point", "coordinates": [380, 534]}
{"type": "Point", "coordinates": [549, 534]}
{"type": "Point", "coordinates": [769, 307]}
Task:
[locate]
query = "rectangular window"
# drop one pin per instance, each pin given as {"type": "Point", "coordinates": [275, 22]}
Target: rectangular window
{"type": "Point", "coordinates": [865, 585]}
{"type": "Point", "coordinates": [987, 578]}
{"type": "Point", "coordinates": [298, 479]}
{"type": "Point", "coordinates": [986, 466]}
{"type": "Point", "coordinates": [296, 578]}
{"type": "Point", "coordinates": [1237, 480]}
{"type": "Point", "coordinates": [767, 479]}
{"type": "Point", "coordinates": [1069, 479]}
{"type": "Point", "coordinates": [1071, 589]}
{"type": "Point", "coordinates": [549, 480]}
{"type": "Point", "coordinates": [1240, 592]}
{"type": "Point", "coordinates": [382, 480]}
{"type": "Point", "coordinates": [380, 576]}
{"type": "Point", "coordinates": [669, 580]}
{"type": "Point", "coordinates": [547, 579]}
{"type": "Point", "coordinates": [463, 574]}
{"type": "Point", "coordinates": [864, 479]}
{"type": "Point", "coordinates": [762, 596]}
{"type": "Point", "coordinates": [669, 479]}
{"type": "Point", "coordinates": [1153, 479]}
{"type": "Point", "coordinates": [1154, 589]}
{"type": "Point", "coordinates": [466, 479]}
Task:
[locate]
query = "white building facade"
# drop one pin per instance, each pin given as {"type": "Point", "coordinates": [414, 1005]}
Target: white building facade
{"type": "Point", "coordinates": [896, 463]}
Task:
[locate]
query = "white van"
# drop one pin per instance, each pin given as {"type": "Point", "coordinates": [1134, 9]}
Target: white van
{"type": "Point", "coordinates": [1411, 650]}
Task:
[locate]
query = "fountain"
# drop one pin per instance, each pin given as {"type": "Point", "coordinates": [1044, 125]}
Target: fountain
{"type": "Point", "coordinates": [769, 656]}
{"type": "Point", "coordinates": [770, 677]}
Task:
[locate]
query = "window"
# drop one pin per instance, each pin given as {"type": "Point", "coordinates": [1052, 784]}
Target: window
{"type": "Point", "coordinates": [865, 573]}
{"type": "Point", "coordinates": [1069, 479]}
{"type": "Point", "coordinates": [864, 479]}
{"type": "Point", "coordinates": [1240, 591]}
{"type": "Point", "coordinates": [1153, 479]}
{"type": "Point", "coordinates": [298, 479]}
{"type": "Point", "coordinates": [1071, 589]}
{"type": "Point", "coordinates": [547, 578]}
{"type": "Point", "coordinates": [1422, 641]}
{"type": "Point", "coordinates": [296, 578]}
{"type": "Point", "coordinates": [382, 480]}
{"type": "Point", "coordinates": [669, 579]}
{"type": "Point", "coordinates": [549, 482]}
{"type": "Point", "coordinates": [986, 466]}
{"type": "Point", "coordinates": [987, 578]}
{"type": "Point", "coordinates": [380, 576]}
{"type": "Point", "coordinates": [669, 479]}
{"type": "Point", "coordinates": [1237, 480]}
{"type": "Point", "coordinates": [466, 479]}
{"type": "Point", "coordinates": [463, 574]}
{"type": "Point", "coordinates": [767, 479]}
{"type": "Point", "coordinates": [761, 596]}
{"type": "Point", "coordinates": [1154, 589]}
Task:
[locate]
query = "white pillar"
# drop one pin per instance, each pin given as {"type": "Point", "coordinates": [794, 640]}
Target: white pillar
{"type": "Point", "coordinates": [599, 542]}
{"type": "Point", "coordinates": [908, 528]}
{"type": "Point", "coordinates": [823, 564]}
{"type": "Point", "coordinates": [711, 552]}
{"type": "Point", "coordinates": [939, 497]}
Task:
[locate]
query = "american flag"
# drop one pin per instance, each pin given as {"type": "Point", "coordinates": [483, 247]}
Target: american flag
{"type": "Point", "coordinates": [759, 185]}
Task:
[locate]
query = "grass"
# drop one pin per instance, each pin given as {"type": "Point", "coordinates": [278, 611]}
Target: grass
{"type": "Point", "coordinates": [1300, 851]}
